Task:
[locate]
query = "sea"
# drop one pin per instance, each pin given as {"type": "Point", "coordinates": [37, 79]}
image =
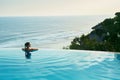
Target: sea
{"type": "Point", "coordinates": [50, 32]}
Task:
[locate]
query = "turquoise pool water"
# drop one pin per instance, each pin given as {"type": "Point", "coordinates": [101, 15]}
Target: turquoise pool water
{"type": "Point", "coordinates": [58, 65]}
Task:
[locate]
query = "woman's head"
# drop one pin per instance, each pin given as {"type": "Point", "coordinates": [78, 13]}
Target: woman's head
{"type": "Point", "coordinates": [27, 44]}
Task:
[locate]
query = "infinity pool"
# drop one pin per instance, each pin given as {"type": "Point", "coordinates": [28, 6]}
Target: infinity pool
{"type": "Point", "coordinates": [58, 65]}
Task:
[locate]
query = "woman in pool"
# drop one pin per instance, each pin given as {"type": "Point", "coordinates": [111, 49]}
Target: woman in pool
{"type": "Point", "coordinates": [27, 50]}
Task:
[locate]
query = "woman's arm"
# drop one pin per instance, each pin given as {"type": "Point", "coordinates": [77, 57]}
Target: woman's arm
{"type": "Point", "coordinates": [33, 49]}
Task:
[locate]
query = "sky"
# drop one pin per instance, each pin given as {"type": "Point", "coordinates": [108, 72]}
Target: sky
{"type": "Point", "coordinates": [58, 7]}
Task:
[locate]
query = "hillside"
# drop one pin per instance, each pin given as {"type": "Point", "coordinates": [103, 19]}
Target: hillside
{"type": "Point", "coordinates": [105, 36]}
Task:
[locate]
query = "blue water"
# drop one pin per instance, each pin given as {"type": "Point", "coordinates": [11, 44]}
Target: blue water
{"type": "Point", "coordinates": [44, 32]}
{"type": "Point", "coordinates": [58, 65]}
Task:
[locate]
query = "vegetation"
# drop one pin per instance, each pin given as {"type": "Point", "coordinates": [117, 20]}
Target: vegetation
{"type": "Point", "coordinates": [104, 37]}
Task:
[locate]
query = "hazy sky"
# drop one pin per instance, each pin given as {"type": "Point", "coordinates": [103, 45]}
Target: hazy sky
{"type": "Point", "coordinates": [58, 7]}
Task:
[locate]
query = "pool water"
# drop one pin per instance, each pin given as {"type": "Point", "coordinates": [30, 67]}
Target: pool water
{"type": "Point", "coordinates": [58, 65]}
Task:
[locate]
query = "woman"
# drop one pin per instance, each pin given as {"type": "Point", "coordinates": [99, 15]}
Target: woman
{"type": "Point", "coordinates": [27, 50]}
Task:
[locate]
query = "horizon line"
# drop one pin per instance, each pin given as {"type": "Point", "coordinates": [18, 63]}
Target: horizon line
{"type": "Point", "coordinates": [56, 15]}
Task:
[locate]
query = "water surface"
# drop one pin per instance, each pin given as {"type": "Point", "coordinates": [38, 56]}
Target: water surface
{"type": "Point", "coordinates": [58, 65]}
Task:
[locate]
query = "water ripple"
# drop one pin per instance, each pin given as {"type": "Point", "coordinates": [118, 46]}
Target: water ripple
{"type": "Point", "coordinates": [58, 65]}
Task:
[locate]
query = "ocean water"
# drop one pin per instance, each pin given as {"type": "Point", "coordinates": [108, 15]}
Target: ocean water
{"type": "Point", "coordinates": [48, 64]}
{"type": "Point", "coordinates": [44, 32]}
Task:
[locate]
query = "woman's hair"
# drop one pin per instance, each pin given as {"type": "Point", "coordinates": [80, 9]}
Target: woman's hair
{"type": "Point", "coordinates": [27, 44]}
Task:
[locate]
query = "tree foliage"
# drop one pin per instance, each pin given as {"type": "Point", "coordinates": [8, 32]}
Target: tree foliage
{"type": "Point", "coordinates": [110, 42]}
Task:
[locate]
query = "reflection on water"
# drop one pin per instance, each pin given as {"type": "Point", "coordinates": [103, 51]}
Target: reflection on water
{"type": "Point", "coordinates": [58, 65]}
{"type": "Point", "coordinates": [117, 56]}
